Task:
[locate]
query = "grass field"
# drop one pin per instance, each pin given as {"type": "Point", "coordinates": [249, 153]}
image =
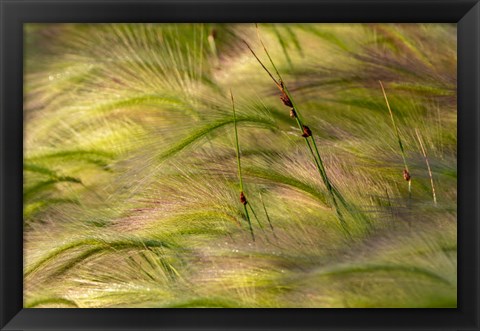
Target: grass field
{"type": "Point", "coordinates": [230, 165]}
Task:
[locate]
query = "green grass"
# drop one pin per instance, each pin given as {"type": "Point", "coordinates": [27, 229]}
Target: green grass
{"type": "Point", "coordinates": [134, 161]}
{"type": "Point", "coordinates": [243, 198]}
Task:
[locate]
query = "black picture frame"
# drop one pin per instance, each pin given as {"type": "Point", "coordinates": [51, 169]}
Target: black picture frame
{"type": "Point", "coordinates": [14, 13]}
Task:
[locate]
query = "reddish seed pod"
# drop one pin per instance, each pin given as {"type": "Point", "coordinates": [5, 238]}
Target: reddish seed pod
{"type": "Point", "coordinates": [284, 97]}
{"type": "Point", "coordinates": [243, 199]}
{"type": "Point", "coordinates": [306, 132]}
{"type": "Point", "coordinates": [293, 113]}
{"type": "Point", "coordinates": [406, 175]}
{"type": "Point", "coordinates": [286, 100]}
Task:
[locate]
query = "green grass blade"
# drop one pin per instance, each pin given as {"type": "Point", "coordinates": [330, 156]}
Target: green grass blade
{"type": "Point", "coordinates": [206, 130]}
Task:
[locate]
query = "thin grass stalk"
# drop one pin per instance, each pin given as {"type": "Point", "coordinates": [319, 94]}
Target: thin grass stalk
{"type": "Point", "coordinates": [424, 152]}
{"type": "Point", "coordinates": [255, 215]}
{"type": "Point", "coordinates": [315, 154]}
{"type": "Point", "coordinates": [318, 160]}
{"type": "Point", "coordinates": [249, 222]}
{"type": "Point", "coordinates": [239, 166]}
{"type": "Point", "coordinates": [258, 220]}
{"type": "Point", "coordinates": [267, 216]}
{"type": "Point", "coordinates": [283, 88]}
{"type": "Point", "coordinates": [406, 172]}
{"type": "Point", "coordinates": [334, 193]}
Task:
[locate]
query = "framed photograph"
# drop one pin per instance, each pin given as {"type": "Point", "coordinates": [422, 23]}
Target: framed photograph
{"type": "Point", "coordinates": [316, 158]}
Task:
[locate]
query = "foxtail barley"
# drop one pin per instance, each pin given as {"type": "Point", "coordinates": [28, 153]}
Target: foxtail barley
{"type": "Point", "coordinates": [306, 132]}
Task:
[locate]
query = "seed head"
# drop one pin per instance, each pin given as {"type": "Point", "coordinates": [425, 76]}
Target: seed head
{"type": "Point", "coordinates": [293, 113]}
{"type": "Point", "coordinates": [306, 132]}
{"type": "Point", "coordinates": [286, 100]}
{"type": "Point", "coordinates": [406, 175]}
{"type": "Point", "coordinates": [243, 199]}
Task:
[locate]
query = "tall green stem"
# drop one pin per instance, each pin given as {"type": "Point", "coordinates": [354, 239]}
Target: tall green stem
{"type": "Point", "coordinates": [400, 144]}
{"type": "Point", "coordinates": [298, 117]}
{"type": "Point", "coordinates": [239, 166]}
